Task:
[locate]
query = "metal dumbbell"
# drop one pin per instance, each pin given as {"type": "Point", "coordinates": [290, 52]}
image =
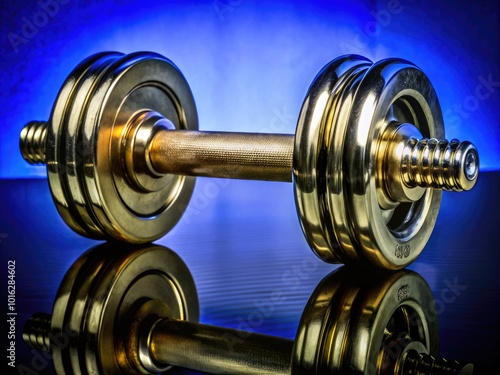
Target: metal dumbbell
{"type": "Point", "coordinates": [135, 311]}
{"type": "Point", "coordinates": [368, 159]}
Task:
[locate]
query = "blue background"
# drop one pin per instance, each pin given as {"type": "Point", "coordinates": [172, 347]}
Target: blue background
{"type": "Point", "coordinates": [249, 63]}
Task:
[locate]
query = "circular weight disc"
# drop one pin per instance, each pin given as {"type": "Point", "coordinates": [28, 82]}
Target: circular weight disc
{"type": "Point", "coordinates": [100, 289]}
{"type": "Point", "coordinates": [391, 90]}
{"type": "Point", "coordinates": [136, 82]}
{"type": "Point", "coordinates": [346, 321]}
{"type": "Point", "coordinates": [74, 151]}
{"type": "Point", "coordinates": [57, 139]}
{"type": "Point", "coordinates": [319, 145]}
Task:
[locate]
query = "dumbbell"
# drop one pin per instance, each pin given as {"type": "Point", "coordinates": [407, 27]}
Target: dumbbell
{"type": "Point", "coordinates": [135, 311]}
{"type": "Point", "coordinates": [368, 160]}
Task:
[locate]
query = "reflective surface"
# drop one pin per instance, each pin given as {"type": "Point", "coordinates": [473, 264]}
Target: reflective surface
{"type": "Point", "coordinates": [120, 309]}
{"type": "Point", "coordinates": [253, 269]}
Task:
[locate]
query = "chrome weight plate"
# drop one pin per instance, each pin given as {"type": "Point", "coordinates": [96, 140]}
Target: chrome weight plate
{"type": "Point", "coordinates": [59, 138]}
{"type": "Point", "coordinates": [352, 320]}
{"type": "Point", "coordinates": [341, 126]}
{"type": "Point", "coordinates": [91, 116]}
{"type": "Point", "coordinates": [134, 84]}
{"type": "Point", "coordinates": [99, 292]}
{"type": "Point", "coordinates": [390, 91]}
{"type": "Point", "coordinates": [323, 108]}
{"type": "Point", "coordinates": [72, 155]}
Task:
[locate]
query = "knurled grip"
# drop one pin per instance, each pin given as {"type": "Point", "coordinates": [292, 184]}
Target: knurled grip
{"type": "Point", "coordinates": [250, 156]}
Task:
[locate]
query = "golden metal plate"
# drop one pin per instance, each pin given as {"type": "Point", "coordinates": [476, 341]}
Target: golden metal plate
{"type": "Point", "coordinates": [349, 319]}
{"type": "Point", "coordinates": [86, 163]}
{"type": "Point", "coordinates": [338, 168]}
{"type": "Point", "coordinates": [93, 307]}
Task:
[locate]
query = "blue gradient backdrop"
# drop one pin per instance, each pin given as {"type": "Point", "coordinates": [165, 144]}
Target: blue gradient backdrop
{"type": "Point", "coordinates": [249, 63]}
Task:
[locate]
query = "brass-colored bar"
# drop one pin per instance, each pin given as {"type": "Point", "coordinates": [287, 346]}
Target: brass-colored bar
{"type": "Point", "coordinates": [250, 156]}
{"type": "Point", "coordinates": [219, 350]}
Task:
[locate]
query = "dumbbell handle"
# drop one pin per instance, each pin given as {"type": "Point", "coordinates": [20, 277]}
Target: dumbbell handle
{"type": "Point", "coordinates": [218, 350]}
{"type": "Point", "coordinates": [249, 156]}
{"type": "Point", "coordinates": [196, 346]}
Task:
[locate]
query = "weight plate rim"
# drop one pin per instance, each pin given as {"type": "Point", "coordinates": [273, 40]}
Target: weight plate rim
{"type": "Point", "coordinates": [74, 156]}
{"type": "Point", "coordinates": [119, 222]}
{"type": "Point", "coordinates": [309, 136]}
{"type": "Point", "coordinates": [333, 197]}
{"type": "Point", "coordinates": [346, 284]}
{"type": "Point", "coordinates": [55, 140]}
{"type": "Point", "coordinates": [387, 81]}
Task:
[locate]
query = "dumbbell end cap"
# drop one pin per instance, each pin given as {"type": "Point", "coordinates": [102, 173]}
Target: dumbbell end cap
{"type": "Point", "coordinates": [32, 142]}
{"type": "Point", "coordinates": [469, 162]}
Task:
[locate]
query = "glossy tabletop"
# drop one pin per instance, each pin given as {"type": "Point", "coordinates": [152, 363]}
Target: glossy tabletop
{"type": "Point", "coordinates": [243, 244]}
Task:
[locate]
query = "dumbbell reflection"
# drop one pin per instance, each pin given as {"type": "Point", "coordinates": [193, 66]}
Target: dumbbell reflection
{"type": "Point", "coordinates": [135, 310]}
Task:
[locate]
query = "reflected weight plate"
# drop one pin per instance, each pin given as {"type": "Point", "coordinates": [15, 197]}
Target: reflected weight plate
{"type": "Point", "coordinates": [347, 324]}
{"type": "Point", "coordinates": [99, 291]}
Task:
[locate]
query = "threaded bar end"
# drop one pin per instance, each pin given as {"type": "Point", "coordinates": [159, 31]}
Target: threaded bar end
{"type": "Point", "coordinates": [32, 142]}
{"type": "Point", "coordinates": [36, 332]}
{"type": "Point", "coordinates": [425, 364]}
{"type": "Point", "coordinates": [440, 164]}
